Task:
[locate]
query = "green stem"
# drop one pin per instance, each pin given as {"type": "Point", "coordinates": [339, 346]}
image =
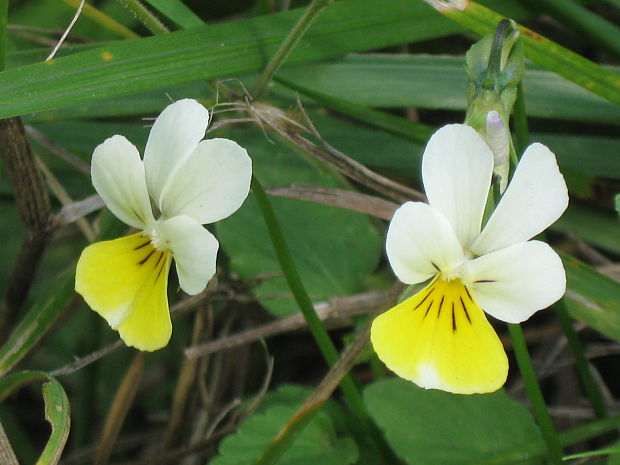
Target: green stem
{"type": "Point", "coordinates": [4, 19]}
{"type": "Point", "coordinates": [527, 453]}
{"type": "Point", "coordinates": [318, 331]}
{"type": "Point", "coordinates": [287, 46]}
{"type": "Point", "coordinates": [519, 119]}
{"type": "Point", "coordinates": [590, 430]}
{"type": "Point", "coordinates": [589, 385]}
{"type": "Point", "coordinates": [535, 394]}
{"type": "Point", "coordinates": [292, 276]}
{"type": "Point", "coordinates": [145, 16]}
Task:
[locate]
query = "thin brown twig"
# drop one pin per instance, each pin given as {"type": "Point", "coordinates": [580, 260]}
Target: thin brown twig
{"type": "Point", "coordinates": [338, 307]}
{"type": "Point", "coordinates": [354, 170]}
{"type": "Point", "coordinates": [64, 198]}
{"type": "Point", "coordinates": [269, 362]}
{"type": "Point", "coordinates": [177, 310]}
{"type": "Point", "coordinates": [175, 455]}
{"type": "Point", "coordinates": [120, 406]}
{"type": "Point", "coordinates": [358, 171]}
{"type": "Point", "coordinates": [57, 150]}
{"type": "Point", "coordinates": [351, 200]}
{"type": "Point", "coordinates": [220, 417]}
{"type": "Point", "coordinates": [185, 385]}
{"type": "Point", "coordinates": [79, 209]}
{"type": "Point", "coordinates": [271, 117]}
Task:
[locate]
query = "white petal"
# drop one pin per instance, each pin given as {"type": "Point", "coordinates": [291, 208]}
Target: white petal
{"type": "Point", "coordinates": [211, 184]}
{"type": "Point", "coordinates": [193, 248]}
{"type": "Point", "coordinates": [420, 242]}
{"type": "Point", "coordinates": [173, 137]}
{"type": "Point", "coordinates": [118, 177]}
{"type": "Point", "coordinates": [456, 168]}
{"type": "Point", "coordinates": [535, 198]}
{"type": "Point", "coordinates": [513, 283]}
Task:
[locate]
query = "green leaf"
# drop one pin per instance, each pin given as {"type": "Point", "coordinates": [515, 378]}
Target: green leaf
{"type": "Point", "coordinates": [587, 155]}
{"type": "Point", "coordinates": [334, 249]}
{"type": "Point", "coordinates": [57, 411]}
{"type": "Point", "coordinates": [596, 227]}
{"type": "Point", "coordinates": [142, 103]}
{"type": "Point", "coordinates": [37, 321]}
{"type": "Point", "coordinates": [426, 427]}
{"type": "Point", "coordinates": [386, 121]}
{"type": "Point", "coordinates": [177, 12]}
{"type": "Point", "coordinates": [592, 297]}
{"type": "Point", "coordinates": [210, 52]}
{"type": "Point", "coordinates": [318, 443]}
{"type": "Point", "coordinates": [13, 382]}
{"type": "Point", "coordinates": [438, 82]}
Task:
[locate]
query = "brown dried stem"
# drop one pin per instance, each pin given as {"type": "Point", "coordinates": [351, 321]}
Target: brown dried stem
{"type": "Point", "coordinates": [338, 307]}
{"type": "Point", "coordinates": [33, 206]}
{"type": "Point", "coordinates": [351, 200]}
{"type": "Point", "coordinates": [120, 406]}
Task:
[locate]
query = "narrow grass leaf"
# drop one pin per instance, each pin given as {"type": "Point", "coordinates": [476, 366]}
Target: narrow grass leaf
{"type": "Point", "coordinates": [37, 321]}
{"type": "Point", "coordinates": [438, 82]}
{"type": "Point", "coordinates": [592, 297]}
{"type": "Point", "coordinates": [211, 52]}
{"type": "Point", "coordinates": [596, 227]}
{"type": "Point", "coordinates": [58, 415]}
{"type": "Point", "coordinates": [57, 411]}
{"type": "Point", "coordinates": [177, 12]}
{"type": "Point", "coordinates": [583, 21]}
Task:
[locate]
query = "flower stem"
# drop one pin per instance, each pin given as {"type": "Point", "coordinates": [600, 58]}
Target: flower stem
{"type": "Point", "coordinates": [292, 276]}
{"type": "Point", "coordinates": [535, 394]}
{"type": "Point", "coordinates": [318, 331]}
{"type": "Point", "coordinates": [287, 46]}
{"type": "Point", "coordinates": [585, 375]}
{"type": "Point", "coordinates": [524, 361]}
{"type": "Point", "coordinates": [519, 120]}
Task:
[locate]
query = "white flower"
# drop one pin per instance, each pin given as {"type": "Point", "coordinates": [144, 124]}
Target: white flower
{"type": "Point", "coordinates": [189, 182]}
{"type": "Point", "coordinates": [440, 337]}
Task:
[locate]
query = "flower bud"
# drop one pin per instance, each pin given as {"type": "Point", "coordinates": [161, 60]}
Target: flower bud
{"type": "Point", "coordinates": [498, 140]}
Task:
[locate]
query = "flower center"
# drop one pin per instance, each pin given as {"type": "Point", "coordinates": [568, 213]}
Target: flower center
{"type": "Point", "coordinates": [450, 296]}
{"type": "Point", "coordinates": [156, 240]}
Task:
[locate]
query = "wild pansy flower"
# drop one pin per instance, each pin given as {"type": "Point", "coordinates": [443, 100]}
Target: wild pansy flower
{"type": "Point", "coordinates": [182, 183]}
{"type": "Point", "coordinates": [440, 337]}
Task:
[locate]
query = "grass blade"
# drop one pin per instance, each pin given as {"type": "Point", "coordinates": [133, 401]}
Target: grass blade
{"type": "Point", "coordinates": [57, 414]}
{"type": "Point", "coordinates": [57, 411]}
{"type": "Point", "coordinates": [539, 49]}
{"type": "Point", "coordinates": [177, 12]}
{"type": "Point", "coordinates": [36, 322]}
{"type": "Point", "coordinates": [211, 52]}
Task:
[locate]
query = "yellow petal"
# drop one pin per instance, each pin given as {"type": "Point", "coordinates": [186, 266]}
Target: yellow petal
{"type": "Point", "coordinates": [125, 281]}
{"type": "Point", "coordinates": [440, 339]}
